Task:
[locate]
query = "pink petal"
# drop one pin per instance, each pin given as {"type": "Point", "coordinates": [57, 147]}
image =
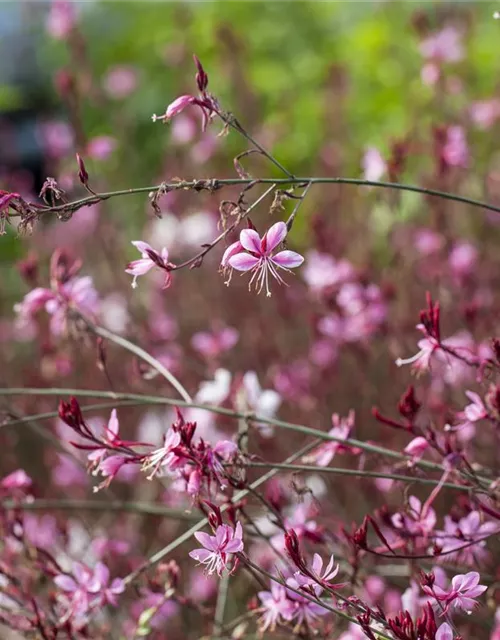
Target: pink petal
{"type": "Point", "coordinates": [288, 259]}
{"type": "Point", "coordinates": [250, 240]}
{"type": "Point", "coordinates": [205, 539]}
{"type": "Point", "coordinates": [232, 250]}
{"type": "Point", "coordinates": [143, 247]}
{"type": "Point", "coordinates": [139, 267]}
{"type": "Point", "coordinates": [243, 262]}
{"type": "Point", "coordinates": [113, 424]}
{"type": "Point", "coordinates": [201, 555]}
{"type": "Point", "coordinates": [65, 583]}
{"type": "Point", "coordinates": [275, 236]}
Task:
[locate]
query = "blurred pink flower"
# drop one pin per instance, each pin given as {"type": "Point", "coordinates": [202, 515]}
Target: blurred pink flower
{"type": "Point", "coordinates": [462, 259]}
{"type": "Point", "coordinates": [443, 46]}
{"type": "Point", "coordinates": [374, 165]}
{"type": "Point", "coordinates": [61, 19]}
{"type": "Point", "coordinates": [342, 429]}
{"type": "Point", "coordinates": [120, 81]}
{"type": "Point", "coordinates": [56, 137]}
{"type": "Point", "coordinates": [428, 241]}
{"type": "Point", "coordinates": [276, 607]}
{"type": "Point", "coordinates": [485, 113]}
{"type": "Point", "coordinates": [18, 479]}
{"type": "Point", "coordinates": [321, 270]}
{"type": "Point", "coordinates": [445, 632]}
{"type": "Point", "coordinates": [212, 345]}
{"type": "Point", "coordinates": [416, 448]}
{"type": "Point", "coordinates": [101, 147]}
{"type": "Point", "coordinates": [455, 151]}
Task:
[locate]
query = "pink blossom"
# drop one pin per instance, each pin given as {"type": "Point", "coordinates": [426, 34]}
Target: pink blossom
{"type": "Point", "coordinates": [444, 632]}
{"type": "Point", "coordinates": [443, 46]}
{"type": "Point", "coordinates": [462, 593]}
{"type": "Point", "coordinates": [110, 438]}
{"type": "Point", "coordinates": [61, 19]}
{"type": "Point", "coordinates": [120, 81]}
{"type": "Point", "coordinates": [485, 113]}
{"type": "Point", "coordinates": [18, 479]}
{"type": "Point", "coordinates": [149, 259]}
{"type": "Point", "coordinates": [417, 520]}
{"type": "Point", "coordinates": [317, 575]}
{"type": "Point", "coordinates": [165, 459]}
{"type": "Point", "coordinates": [462, 259]}
{"type": "Point", "coordinates": [321, 270]}
{"type": "Point", "coordinates": [472, 413]}
{"type": "Point", "coordinates": [421, 360]}
{"type": "Point", "coordinates": [454, 540]}
{"type": "Point", "coordinates": [276, 606]}
{"type": "Point", "coordinates": [428, 242]}
{"type": "Point", "coordinates": [416, 448]}
{"type": "Point", "coordinates": [212, 345]}
{"type": "Point", "coordinates": [253, 253]}
{"type": "Point", "coordinates": [218, 549]}
{"type": "Point", "coordinates": [101, 147]}
{"type": "Point", "coordinates": [342, 429]}
{"type": "Point", "coordinates": [374, 165]}
{"type": "Point", "coordinates": [455, 151]}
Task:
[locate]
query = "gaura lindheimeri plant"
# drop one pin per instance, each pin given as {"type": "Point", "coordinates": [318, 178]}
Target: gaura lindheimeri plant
{"type": "Point", "coordinates": [255, 254]}
{"type": "Point", "coordinates": [196, 406]}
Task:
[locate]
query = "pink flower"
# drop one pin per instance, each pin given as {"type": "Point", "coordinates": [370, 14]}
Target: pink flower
{"type": "Point", "coordinates": [110, 437]}
{"type": "Point", "coordinates": [428, 242]}
{"type": "Point", "coordinates": [212, 345]}
{"type": "Point", "coordinates": [253, 253]}
{"type": "Point", "coordinates": [417, 520]}
{"type": "Point", "coordinates": [443, 46]}
{"type": "Point", "coordinates": [206, 102]}
{"type": "Point", "coordinates": [455, 152]}
{"type": "Point", "coordinates": [61, 19]}
{"type": "Point", "coordinates": [462, 259]}
{"type": "Point", "coordinates": [120, 81]}
{"type": "Point", "coordinates": [416, 448]}
{"type": "Point", "coordinates": [315, 576]}
{"type": "Point", "coordinates": [457, 535]}
{"type": "Point", "coordinates": [218, 549]}
{"type": "Point", "coordinates": [166, 457]}
{"type": "Point", "coordinates": [277, 607]}
{"type": "Point", "coordinates": [322, 270]}
{"type": "Point", "coordinates": [462, 593]}
{"type": "Point", "coordinates": [444, 632]}
{"type": "Point", "coordinates": [374, 165]}
{"type": "Point", "coordinates": [149, 259]}
{"type": "Point", "coordinates": [472, 413]}
{"type": "Point", "coordinates": [101, 147]}
{"type": "Point", "coordinates": [484, 113]}
{"type": "Point", "coordinates": [342, 429]}
{"type": "Point", "coordinates": [16, 480]}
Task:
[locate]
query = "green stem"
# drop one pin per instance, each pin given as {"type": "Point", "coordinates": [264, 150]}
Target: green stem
{"type": "Point", "coordinates": [309, 431]}
{"type": "Point", "coordinates": [216, 183]}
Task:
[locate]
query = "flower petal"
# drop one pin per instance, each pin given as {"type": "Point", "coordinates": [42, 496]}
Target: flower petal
{"type": "Point", "coordinates": [143, 247]}
{"type": "Point", "coordinates": [275, 236]}
{"type": "Point", "coordinates": [250, 240]}
{"type": "Point", "coordinates": [288, 259]}
{"type": "Point", "coordinates": [243, 262]}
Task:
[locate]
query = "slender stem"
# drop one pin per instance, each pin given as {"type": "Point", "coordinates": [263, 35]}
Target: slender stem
{"type": "Point", "coordinates": [309, 431]}
{"type": "Point", "coordinates": [220, 607]}
{"type": "Point", "coordinates": [144, 355]}
{"type": "Point", "coordinates": [211, 185]}
{"type": "Point", "coordinates": [358, 473]}
{"type": "Point", "coordinates": [98, 505]}
{"type": "Point", "coordinates": [162, 553]}
{"type": "Point", "coordinates": [236, 125]}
